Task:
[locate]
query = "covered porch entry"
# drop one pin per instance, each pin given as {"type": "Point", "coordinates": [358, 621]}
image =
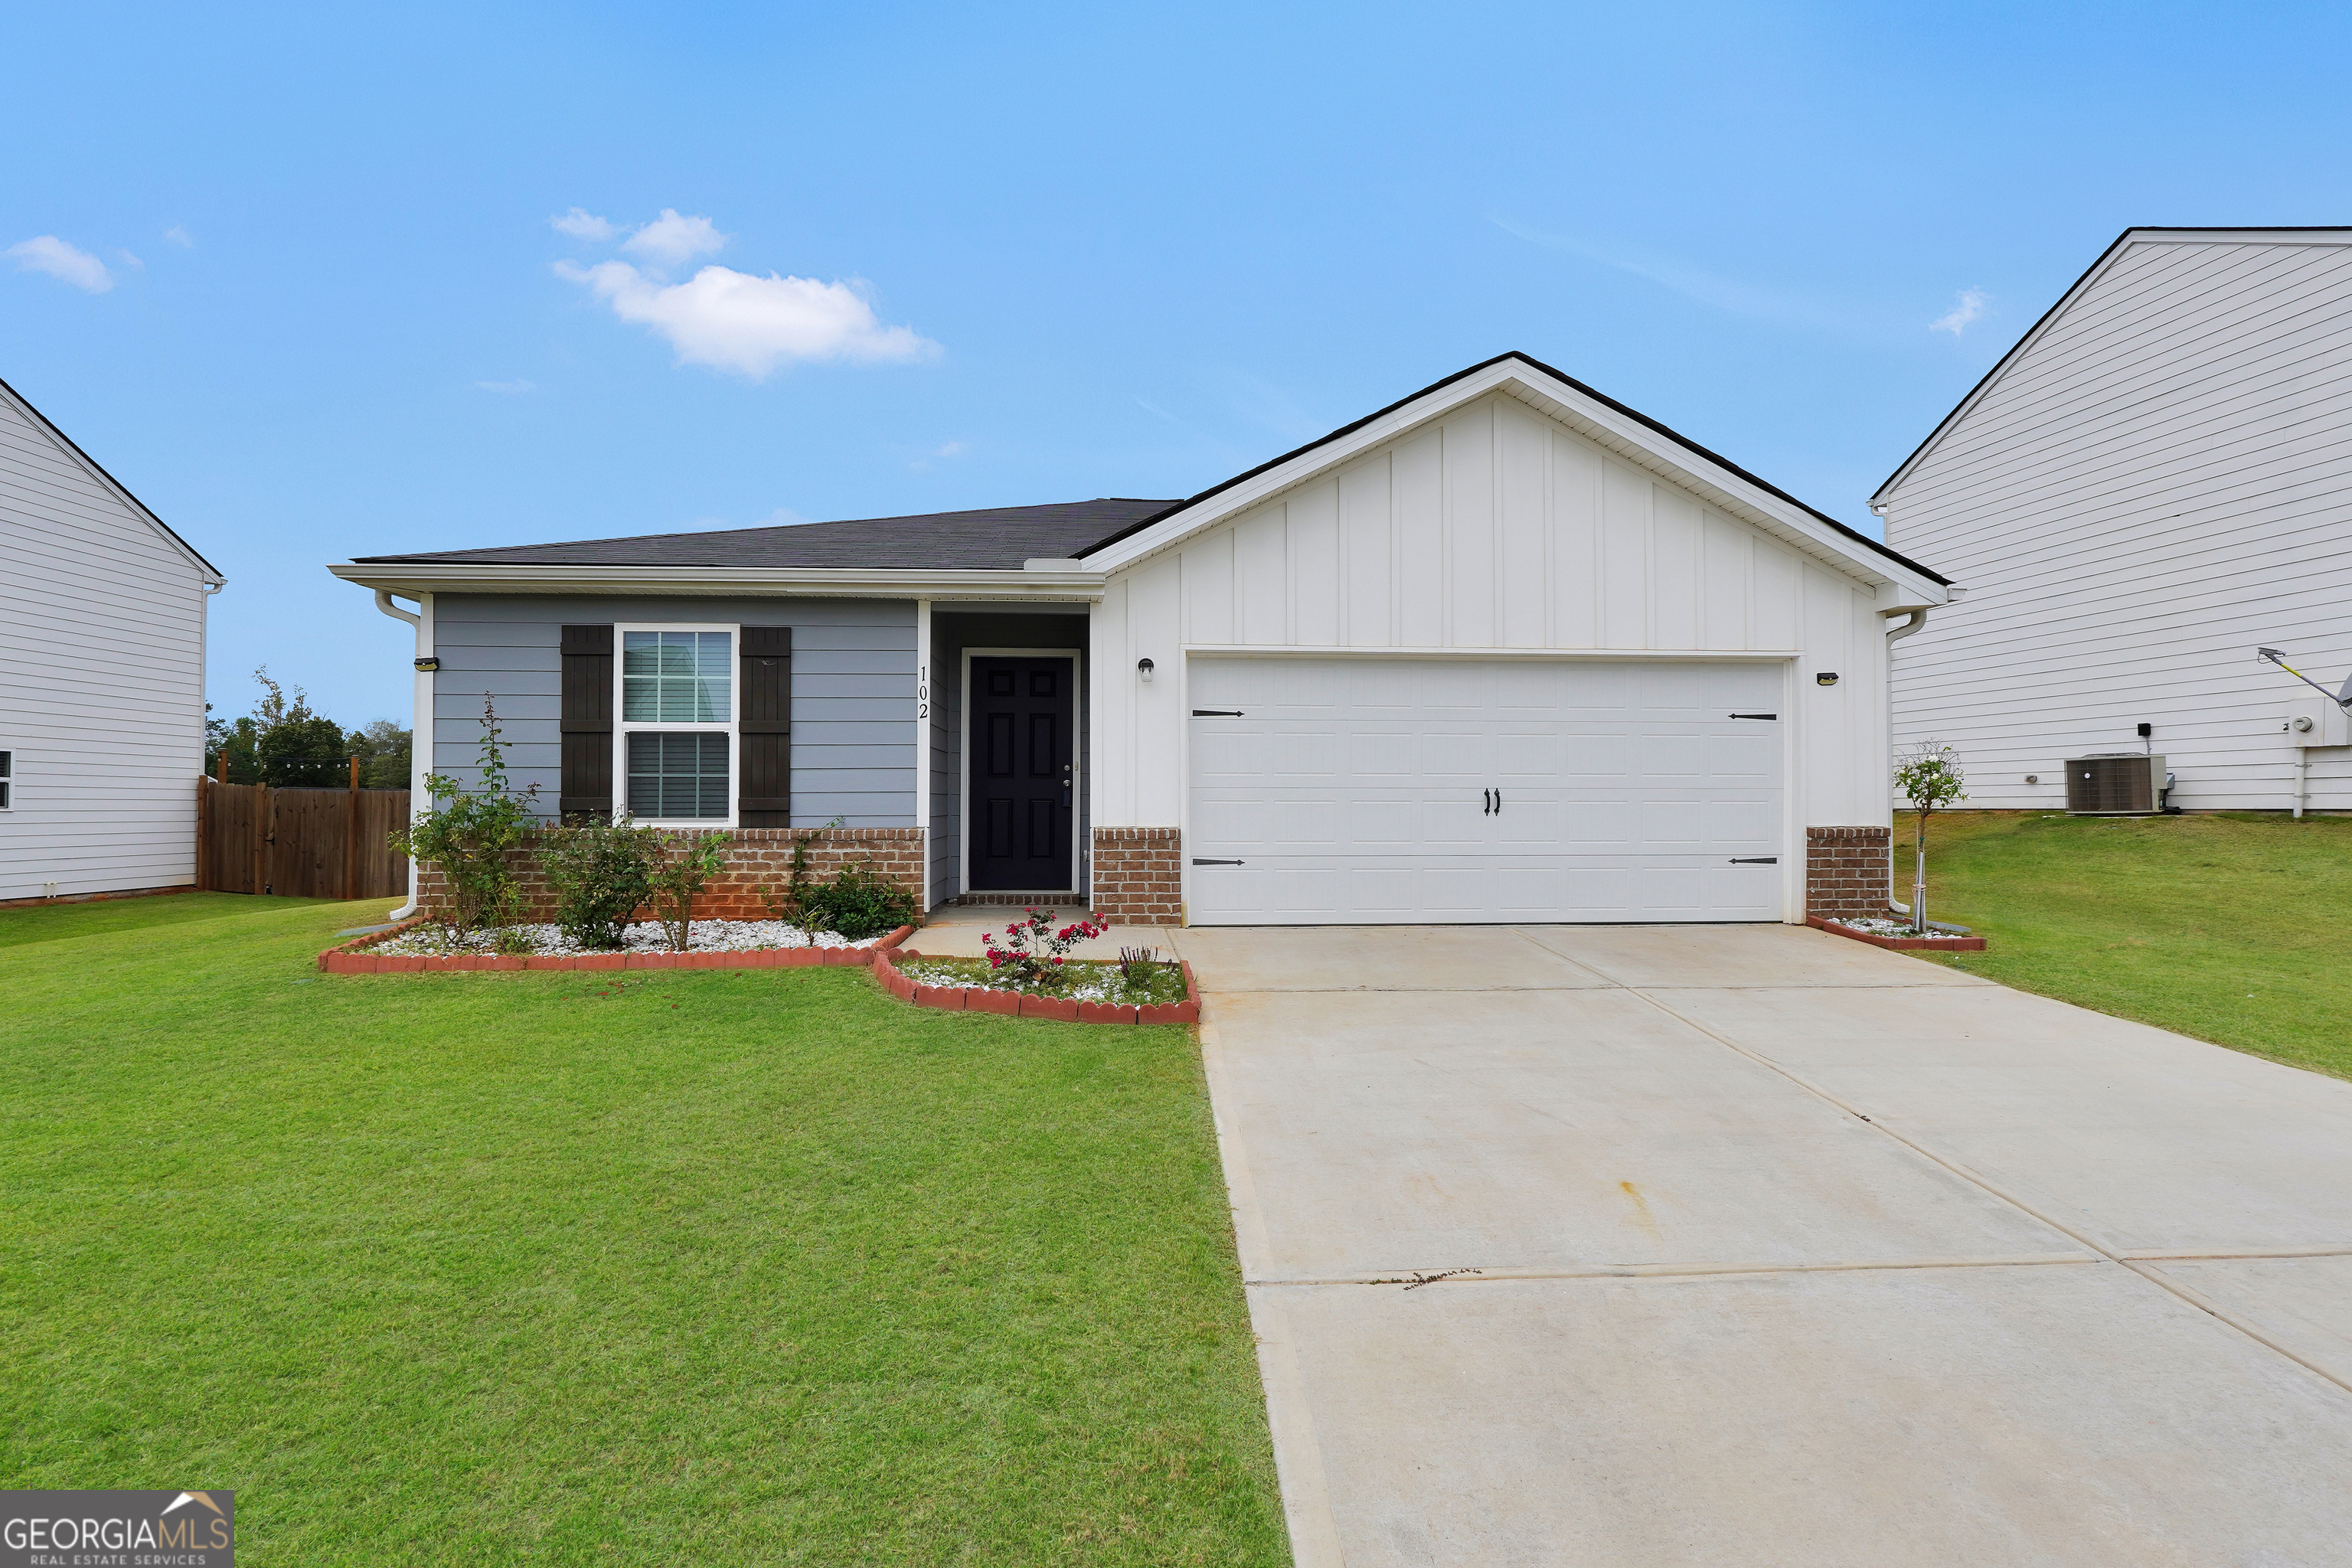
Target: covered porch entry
{"type": "Point", "coordinates": [1009, 726]}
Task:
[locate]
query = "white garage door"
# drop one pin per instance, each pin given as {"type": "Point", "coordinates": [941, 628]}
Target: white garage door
{"type": "Point", "coordinates": [1333, 791]}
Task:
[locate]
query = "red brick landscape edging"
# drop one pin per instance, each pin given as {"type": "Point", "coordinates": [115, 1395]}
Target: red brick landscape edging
{"type": "Point", "coordinates": [351, 957]}
{"type": "Point", "coordinates": [1021, 1005]}
{"type": "Point", "coordinates": [1902, 943]}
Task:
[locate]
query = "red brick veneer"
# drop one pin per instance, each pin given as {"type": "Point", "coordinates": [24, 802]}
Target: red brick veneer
{"type": "Point", "coordinates": [1021, 1005]}
{"type": "Point", "coordinates": [1846, 871]}
{"type": "Point", "coordinates": [1138, 877]}
{"type": "Point", "coordinates": [759, 854]}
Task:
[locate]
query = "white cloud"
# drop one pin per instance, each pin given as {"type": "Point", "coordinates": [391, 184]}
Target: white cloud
{"type": "Point", "coordinates": [1692, 282]}
{"type": "Point", "coordinates": [783, 517]}
{"type": "Point", "coordinates": [48, 253]}
{"type": "Point", "coordinates": [130, 260]}
{"type": "Point", "coordinates": [581, 224]}
{"type": "Point", "coordinates": [1971, 307]}
{"type": "Point", "coordinates": [749, 324]}
{"type": "Point", "coordinates": [179, 237]}
{"type": "Point", "coordinates": [945, 450]}
{"type": "Point", "coordinates": [508, 387]}
{"type": "Point", "coordinates": [671, 240]}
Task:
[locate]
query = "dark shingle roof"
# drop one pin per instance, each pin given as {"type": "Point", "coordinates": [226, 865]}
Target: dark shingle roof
{"type": "Point", "coordinates": [996, 538]}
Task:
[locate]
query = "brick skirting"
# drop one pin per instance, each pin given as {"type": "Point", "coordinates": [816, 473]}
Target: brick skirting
{"type": "Point", "coordinates": [1137, 875]}
{"type": "Point", "coordinates": [759, 854]}
{"type": "Point", "coordinates": [1846, 871]}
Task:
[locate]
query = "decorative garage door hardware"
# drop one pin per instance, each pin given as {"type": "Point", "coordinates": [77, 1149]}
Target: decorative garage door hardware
{"type": "Point", "coordinates": [1197, 862]}
{"type": "Point", "coordinates": [1752, 715]}
{"type": "Point", "coordinates": [1756, 860]}
{"type": "Point", "coordinates": [1493, 804]}
{"type": "Point", "coordinates": [1216, 712]}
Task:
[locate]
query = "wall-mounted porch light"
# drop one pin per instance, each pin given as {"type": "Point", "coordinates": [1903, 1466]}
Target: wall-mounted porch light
{"type": "Point", "coordinates": [1143, 667]}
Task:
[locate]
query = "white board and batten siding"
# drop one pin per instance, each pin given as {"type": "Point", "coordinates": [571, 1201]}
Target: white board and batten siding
{"type": "Point", "coordinates": [1494, 537]}
{"type": "Point", "coordinates": [102, 677]}
{"type": "Point", "coordinates": [2158, 481]}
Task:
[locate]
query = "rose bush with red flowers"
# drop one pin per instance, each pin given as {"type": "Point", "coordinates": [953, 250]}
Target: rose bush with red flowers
{"type": "Point", "coordinates": [1031, 958]}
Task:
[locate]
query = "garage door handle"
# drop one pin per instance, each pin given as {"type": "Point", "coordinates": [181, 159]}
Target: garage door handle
{"type": "Point", "coordinates": [1752, 715]}
{"type": "Point", "coordinates": [1488, 796]}
{"type": "Point", "coordinates": [1197, 862]}
{"type": "Point", "coordinates": [1216, 712]}
{"type": "Point", "coordinates": [1756, 860]}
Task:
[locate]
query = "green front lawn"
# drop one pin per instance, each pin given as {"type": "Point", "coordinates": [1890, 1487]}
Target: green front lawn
{"type": "Point", "coordinates": [691, 1267]}
{"type": "Point", "coordinates": [2236, 929]}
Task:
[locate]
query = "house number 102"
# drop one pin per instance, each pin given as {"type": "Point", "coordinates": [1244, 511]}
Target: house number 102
{"type": "Point", "coordinates": [922, 691]}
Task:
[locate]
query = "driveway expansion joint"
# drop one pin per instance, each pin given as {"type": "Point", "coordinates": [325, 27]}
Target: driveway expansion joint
{"type": "Point", "coordinates": [1411, 1279]}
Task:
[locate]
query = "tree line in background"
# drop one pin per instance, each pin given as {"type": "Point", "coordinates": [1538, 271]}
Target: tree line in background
{"type": "Point", "coordinates": [282, 743]}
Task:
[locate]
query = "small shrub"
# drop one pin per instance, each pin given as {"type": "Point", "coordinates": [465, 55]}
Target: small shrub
{"type": "Point", "coordinates": [859, 903]}
{"type": "Point", "coordinates": [681, 867]}
{"type": "Point", "coordinates": [599, 872]}
{"type": "Point", "coordinates": [466, 836]}
{"type": "Point", "coordinates": [1032, 954]}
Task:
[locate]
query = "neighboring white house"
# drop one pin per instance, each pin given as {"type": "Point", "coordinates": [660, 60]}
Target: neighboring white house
{"type": "Point", "coordinates": [2156, 481]}
{"type": "Point", "coordinates": [102, 675]}
{"type": "Point", "coordinates": [1505, 650]}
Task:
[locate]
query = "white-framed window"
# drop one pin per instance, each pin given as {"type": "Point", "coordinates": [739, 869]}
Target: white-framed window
{"type": "Point", "coordinates": [674, 751]}
{"type": "Point", "coordinates": [8, 780]}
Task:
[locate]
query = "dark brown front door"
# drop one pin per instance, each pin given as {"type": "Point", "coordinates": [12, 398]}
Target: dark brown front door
{"type": "Point", "coordinates": [1022, 773]}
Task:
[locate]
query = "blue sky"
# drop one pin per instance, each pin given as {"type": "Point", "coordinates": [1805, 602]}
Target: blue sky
{"type": "Point", "coordinates": [293, 276]}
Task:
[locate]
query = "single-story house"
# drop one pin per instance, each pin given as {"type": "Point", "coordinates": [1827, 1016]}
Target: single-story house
{"type": "Point", "coordinates": [101, 675]}
{"type": "Point", "coordinates": [2153, 482]}
{"type": "Point", "coordinates": [1506, 650]}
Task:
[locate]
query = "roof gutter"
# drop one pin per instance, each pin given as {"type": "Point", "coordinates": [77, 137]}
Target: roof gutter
{"type": "Point", "coordinates": [413, 577]}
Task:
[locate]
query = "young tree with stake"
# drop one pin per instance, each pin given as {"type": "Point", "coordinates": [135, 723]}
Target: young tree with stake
{"type": "Point", "coordinates": [1928, 775]}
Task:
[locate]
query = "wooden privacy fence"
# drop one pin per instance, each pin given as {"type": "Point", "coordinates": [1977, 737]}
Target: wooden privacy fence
{"type": "Point", "coordinates": [302, 842]}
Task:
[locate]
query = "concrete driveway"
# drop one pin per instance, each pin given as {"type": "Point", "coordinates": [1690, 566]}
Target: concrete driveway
{"type": "Point", "coordinates": [1780, 1249]}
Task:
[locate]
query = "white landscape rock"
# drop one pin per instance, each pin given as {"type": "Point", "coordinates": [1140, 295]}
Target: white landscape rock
{"type": "Point", "coordinates": [707, 936]}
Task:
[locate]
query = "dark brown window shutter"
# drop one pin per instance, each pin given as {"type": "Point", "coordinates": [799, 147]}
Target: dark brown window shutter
{"type": "Point", "coordinates": [587, 787]}
{"type": "Point", "coordinates": [765, 724]}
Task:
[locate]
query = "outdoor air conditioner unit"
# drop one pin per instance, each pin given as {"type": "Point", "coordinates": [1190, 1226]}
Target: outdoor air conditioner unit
{"type": "Point", "coordinates": [2115, 784]}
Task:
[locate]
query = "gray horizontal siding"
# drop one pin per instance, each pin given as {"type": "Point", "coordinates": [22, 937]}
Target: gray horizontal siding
{"type": "Point", "coordinates": [853, 690]}
{"type": "Point", "coordinates": [2161, 483]}
{"type": "Point", "coordinates": [101, 680]}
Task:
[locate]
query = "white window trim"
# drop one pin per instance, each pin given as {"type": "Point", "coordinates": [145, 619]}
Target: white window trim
{"type": "Point", "coordinates": [623, 729]}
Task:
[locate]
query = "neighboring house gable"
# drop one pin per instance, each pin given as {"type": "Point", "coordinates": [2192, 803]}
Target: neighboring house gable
{"type": "Point", "coordinates": [101, 678]}
{"type": "Point", "coordinates": [2157, 479]}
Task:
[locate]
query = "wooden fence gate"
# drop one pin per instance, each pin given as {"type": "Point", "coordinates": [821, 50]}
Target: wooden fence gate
{"type": "Point", "coordinates": [302, 842]}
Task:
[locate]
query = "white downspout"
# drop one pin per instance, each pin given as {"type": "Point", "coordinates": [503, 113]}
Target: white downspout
{"type": "Point", "coordinates": [420, 732]}
{"type": "Point", "coordinates": [1918, 618]}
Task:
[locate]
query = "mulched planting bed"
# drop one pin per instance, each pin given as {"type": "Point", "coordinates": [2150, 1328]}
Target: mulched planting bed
{"type": "Point", "coordinates": [1090, 991]}
{"type": "Point", "coordinates": [1151, 985]}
